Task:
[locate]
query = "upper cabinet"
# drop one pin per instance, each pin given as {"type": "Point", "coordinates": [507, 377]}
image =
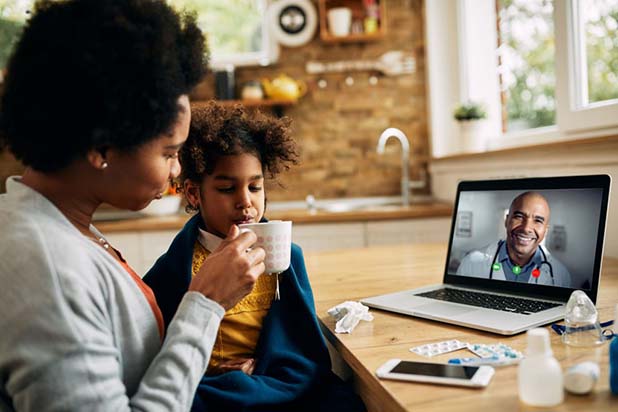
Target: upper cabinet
{"type": "Point", "coordinates": [352, 21]}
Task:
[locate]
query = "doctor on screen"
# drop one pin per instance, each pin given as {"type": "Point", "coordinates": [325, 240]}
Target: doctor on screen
{"type": "Point", "coordinates": [520, 257]}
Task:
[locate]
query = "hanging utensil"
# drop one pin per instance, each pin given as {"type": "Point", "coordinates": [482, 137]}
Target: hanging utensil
{"type": "Point", "coordinates": [392, 63]}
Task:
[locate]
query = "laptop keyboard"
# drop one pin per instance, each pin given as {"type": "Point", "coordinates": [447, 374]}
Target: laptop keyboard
{"type": "Point", "coordinates": [489, 301]}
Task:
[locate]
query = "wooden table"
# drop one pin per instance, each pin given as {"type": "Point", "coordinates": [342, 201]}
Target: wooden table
{"type": "Point", "coordinates": [353, 274]}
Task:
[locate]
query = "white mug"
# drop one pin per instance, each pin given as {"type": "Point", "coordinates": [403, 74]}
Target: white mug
{"type": "Point", "coordinates": [275, 237]}
{"type": "Point", "coordinates": [339, 21]}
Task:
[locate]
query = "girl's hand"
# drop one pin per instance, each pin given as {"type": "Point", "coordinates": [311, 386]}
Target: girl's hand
{"type": "Point", "coordinates": [245, 365]}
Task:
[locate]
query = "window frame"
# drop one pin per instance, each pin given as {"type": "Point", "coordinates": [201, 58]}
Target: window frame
{"type": "Point", "coordinates": [571, 75]}
{"type": "Point", "coordinates": [454, 39]}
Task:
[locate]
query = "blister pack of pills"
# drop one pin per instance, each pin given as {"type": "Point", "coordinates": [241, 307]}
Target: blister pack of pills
{"type": "Point", "coordinates": [438, 348]}
{"type": "Point", "coordinates": [499, 351]}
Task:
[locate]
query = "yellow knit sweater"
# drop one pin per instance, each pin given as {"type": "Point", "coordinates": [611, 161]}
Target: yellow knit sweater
{"type": "Point", "coordinates": [241, 325]}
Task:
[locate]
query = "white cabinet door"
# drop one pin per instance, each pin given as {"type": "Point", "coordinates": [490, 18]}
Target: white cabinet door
{"type": "Point", "coordinates": [153, 244]}
{"type": "Point", "coordinates": [329, 236]}
{"type": "Point", "coordinates": [430, 230]}
{"type": "Point", "coordinates": [142, 249]}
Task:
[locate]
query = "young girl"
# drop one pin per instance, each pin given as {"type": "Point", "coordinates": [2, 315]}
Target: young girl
{"type": "Point", "coordinates": [269, 354]}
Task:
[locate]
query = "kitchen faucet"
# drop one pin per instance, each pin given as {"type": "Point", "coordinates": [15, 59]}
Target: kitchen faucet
{"type": "Point", "coordinates": [405, 162]}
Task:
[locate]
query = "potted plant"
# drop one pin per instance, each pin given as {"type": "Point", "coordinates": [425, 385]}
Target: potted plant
{"type": "Point", "coordinates": [470, 116]}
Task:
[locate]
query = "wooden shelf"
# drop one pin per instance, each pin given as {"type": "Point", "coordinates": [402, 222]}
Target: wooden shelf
{"type": "Point", "coordinates": [358, 14]}
{"type": "Point", "coordinates": [251, 103]}
{"type": "Point", "coordinates": [277, 105]}
{"type": "Point", "coordinates": [352, 38]}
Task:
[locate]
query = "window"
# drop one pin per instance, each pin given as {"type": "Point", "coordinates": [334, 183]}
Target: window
{"type": "Point", "coordinates": [236, 30]}
{"type": "Point", "coordinates": [547, 70]}
{"type": "Point", "coordinates": [526, 59]}
{"type": "Point", "coordinates": [13, 15]}
{"type": "Point", "coordinates": [599, 21]}
{"type": "Point", "coordinates": [589, 63]}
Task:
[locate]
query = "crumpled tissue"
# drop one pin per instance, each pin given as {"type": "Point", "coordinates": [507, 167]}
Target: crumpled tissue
{"type": "Point", "coordinates": [348, 314]}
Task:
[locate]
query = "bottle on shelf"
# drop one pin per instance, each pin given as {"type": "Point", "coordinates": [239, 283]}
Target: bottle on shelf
{"type": "Point", "coordinates": [372, 16]}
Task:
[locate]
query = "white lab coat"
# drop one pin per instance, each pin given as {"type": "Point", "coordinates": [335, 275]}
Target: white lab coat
{"type": "Point", "coordinates": [478, 263]}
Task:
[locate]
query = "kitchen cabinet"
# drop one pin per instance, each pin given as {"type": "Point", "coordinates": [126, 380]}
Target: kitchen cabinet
{"type": "Point", "coordinates": [432, 230]}
{"type": "Point", "coordinates": [331, 236]}
{"type": "Point", "coordinates": [142, 248]}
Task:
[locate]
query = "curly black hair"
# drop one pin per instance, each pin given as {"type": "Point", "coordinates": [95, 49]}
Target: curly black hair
{"type": "Point", "coordinates": [218, 130]}
{"type": "Point", "coordinates": [94, 74]}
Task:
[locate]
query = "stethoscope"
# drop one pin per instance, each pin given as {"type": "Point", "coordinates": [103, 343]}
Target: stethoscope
{"type": "Point", "coordinates": [544, 262]}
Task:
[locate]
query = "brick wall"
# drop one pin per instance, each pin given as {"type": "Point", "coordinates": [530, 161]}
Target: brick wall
{"type": "Point", "coordinates": [337, 127]}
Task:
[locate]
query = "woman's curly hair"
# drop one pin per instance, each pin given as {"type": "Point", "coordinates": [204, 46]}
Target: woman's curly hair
{"type": "Point", "coordinates": [92, 74]}
{"type": "Point", "coordinates": [217, 130]}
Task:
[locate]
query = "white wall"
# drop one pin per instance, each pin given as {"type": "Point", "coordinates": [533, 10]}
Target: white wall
{"type": "Point", "coordinates": [573, 158]}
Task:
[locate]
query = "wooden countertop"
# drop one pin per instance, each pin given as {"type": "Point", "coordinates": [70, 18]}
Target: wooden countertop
{"type": "Point", "coordinates": [298, 216]}
{"type": "Point", "coordinates": [356, 273]}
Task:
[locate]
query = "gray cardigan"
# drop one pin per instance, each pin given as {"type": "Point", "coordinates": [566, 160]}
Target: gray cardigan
{"type": "Point", "coordinates": [76, 332]}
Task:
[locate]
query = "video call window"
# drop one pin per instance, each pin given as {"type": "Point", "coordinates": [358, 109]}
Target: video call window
{"type": "Point", "coordinates": [549, 237]}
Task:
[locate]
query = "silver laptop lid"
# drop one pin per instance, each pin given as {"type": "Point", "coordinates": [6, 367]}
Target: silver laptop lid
{"type": "Point", "coordinates": [536, 237]}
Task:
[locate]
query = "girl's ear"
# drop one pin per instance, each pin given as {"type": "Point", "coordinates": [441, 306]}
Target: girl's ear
{"type": "Point", "coordinates": [192, 193]}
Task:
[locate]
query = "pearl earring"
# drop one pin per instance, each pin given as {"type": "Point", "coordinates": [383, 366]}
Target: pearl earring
{"type": "Point", "coordinates": [104, 165]}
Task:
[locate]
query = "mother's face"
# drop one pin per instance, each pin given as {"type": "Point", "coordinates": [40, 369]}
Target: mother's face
{"type": "Point", "coordinates": [134, 179]}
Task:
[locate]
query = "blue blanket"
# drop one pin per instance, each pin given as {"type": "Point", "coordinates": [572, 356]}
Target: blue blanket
{"type": "Point", "coordinates": [293, 370]}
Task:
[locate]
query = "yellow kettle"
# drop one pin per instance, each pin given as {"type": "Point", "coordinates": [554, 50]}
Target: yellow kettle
{"type": "Point", "coordinates": [284, 87]}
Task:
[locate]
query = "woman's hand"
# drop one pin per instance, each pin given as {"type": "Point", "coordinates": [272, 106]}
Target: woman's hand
{"type": "Point", "coordinates": [245, 365]}
{"type": "Point", "coordinates": [230, 271]}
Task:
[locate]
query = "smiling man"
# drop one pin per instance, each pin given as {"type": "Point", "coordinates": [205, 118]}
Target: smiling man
{"type": "Point", "coordinates": [521, 257]}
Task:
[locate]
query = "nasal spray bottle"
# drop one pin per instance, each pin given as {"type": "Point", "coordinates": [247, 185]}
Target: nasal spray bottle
{"type": "Point", "coordinates": [540, 376]}
{"type": "Point", "coordinates": [613, 356]}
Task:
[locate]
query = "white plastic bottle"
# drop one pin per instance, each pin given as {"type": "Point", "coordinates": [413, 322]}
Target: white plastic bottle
{"type": "Point", "coordinates": [540, 376]}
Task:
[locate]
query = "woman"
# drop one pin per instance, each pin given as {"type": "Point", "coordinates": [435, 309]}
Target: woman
{"type": "Point", "coordinates": [95, 105]}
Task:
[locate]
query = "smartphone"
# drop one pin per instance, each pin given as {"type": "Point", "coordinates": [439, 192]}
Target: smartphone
{"type": "Point", "coordinates": [444, 374]}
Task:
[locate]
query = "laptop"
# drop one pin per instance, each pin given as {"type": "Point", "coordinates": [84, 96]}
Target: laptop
{"type": "Point", "coordinates": [517, 250]}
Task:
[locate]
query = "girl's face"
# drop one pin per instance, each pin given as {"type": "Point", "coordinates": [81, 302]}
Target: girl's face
{"type": "Point", "coordinates": [233, 194]}
{"type": "Point", "coordinates": [136, 178]}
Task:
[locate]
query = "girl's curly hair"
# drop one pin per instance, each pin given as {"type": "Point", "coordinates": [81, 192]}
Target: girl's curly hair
{"type": "Point", "coordinates": [217, 130]}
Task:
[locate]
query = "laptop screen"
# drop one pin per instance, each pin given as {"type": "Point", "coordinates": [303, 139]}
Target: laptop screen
{"type": "Point", "coordinates": [527, 234]}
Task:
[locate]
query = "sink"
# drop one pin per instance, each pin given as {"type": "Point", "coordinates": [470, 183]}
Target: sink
{"type": "Point", "coordinates": [347, 205]}
{"type": "Point", "coordinates": [342, 205]}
